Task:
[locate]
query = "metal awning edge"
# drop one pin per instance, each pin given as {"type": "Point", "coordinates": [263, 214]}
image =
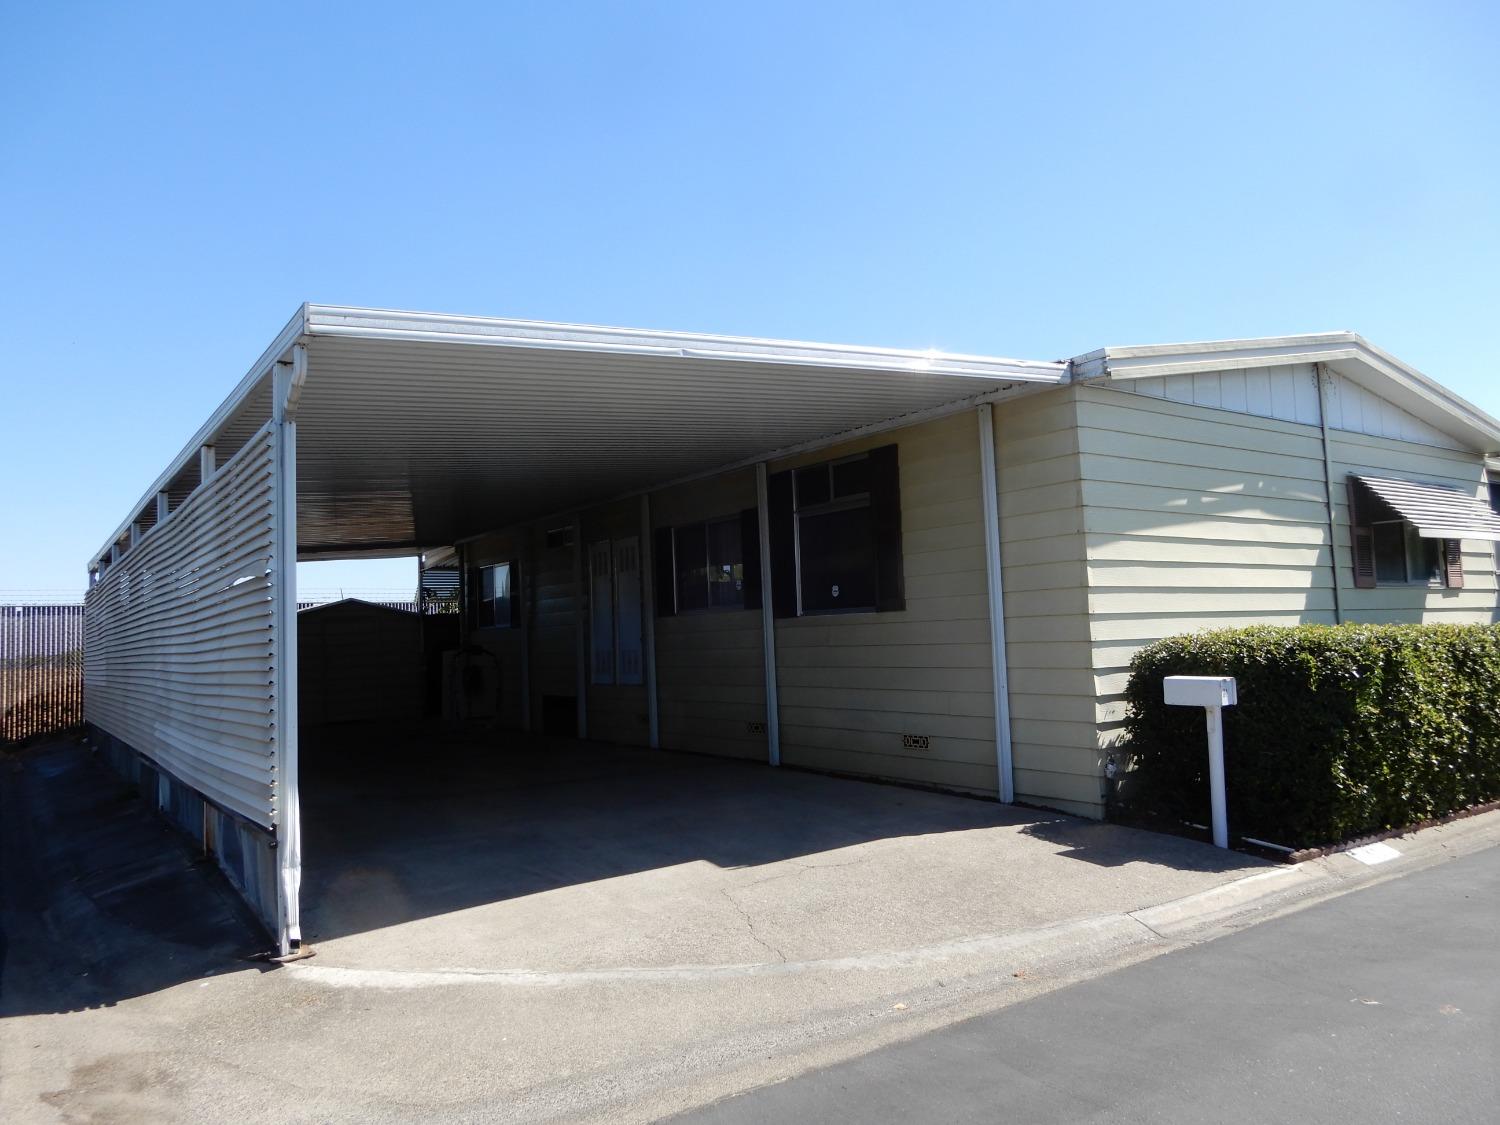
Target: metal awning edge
{"type": "Point", "coordinates": [1436, 511]}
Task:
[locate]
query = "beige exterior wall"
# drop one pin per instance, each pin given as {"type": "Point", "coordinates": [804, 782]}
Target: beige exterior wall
{"type": "Point", "coordinates": [1199, 518]}
{"type": "Point", "coordinates": [1476, 601]}
{"type": "Point", "coordinates": [1124, 518]}
{"type": "Point", "coordinates": [710, 666]}
{"type": "Point", "coordinates": [851, 685]}
{"type": "Point", "coordinates": [1048, 651]}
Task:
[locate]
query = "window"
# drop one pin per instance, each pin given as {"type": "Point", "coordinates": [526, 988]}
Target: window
{"type": "Point", "coordinates": [835, 536]}
{"type": "Point", "coordinates": [494, 606]}
{"type": "Point", "coordinates": [1402, 558]}
{"type": "Point", "coordinates": [708, 565]}
{"type": "Point", "coordinates": [1494, 487]}
{"type": "Point", "coordinates": [1387, 549]}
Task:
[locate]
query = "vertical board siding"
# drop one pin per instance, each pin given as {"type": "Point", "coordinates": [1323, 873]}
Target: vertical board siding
{"type": "Point", "coordinates": [852, 685]}
{"type": "Point", "coordinates": [178, 660]}
{"type": "Point", "coordinates": [710, 667]}
{"type": "Point", "coordinates": [1046, 626]}
{"type": "Point", "coordinates": [1352, 408]}
{"type": "Point", "coordinates": [1289, 393]}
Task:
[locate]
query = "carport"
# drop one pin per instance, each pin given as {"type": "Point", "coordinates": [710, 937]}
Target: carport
{"type": "Point", "coordinates": [363, 433]}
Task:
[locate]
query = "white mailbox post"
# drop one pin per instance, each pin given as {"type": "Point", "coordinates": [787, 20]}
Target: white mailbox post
{"type": "Point", "coordinates": [1213, 694]}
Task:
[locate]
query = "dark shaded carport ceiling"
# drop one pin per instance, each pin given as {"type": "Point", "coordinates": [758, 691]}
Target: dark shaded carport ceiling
{"type": "Point", "coordinates": [417, 430]}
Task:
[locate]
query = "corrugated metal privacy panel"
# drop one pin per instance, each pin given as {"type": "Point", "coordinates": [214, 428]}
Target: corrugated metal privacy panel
{"type": "Point", "coordinates": [178, 654]}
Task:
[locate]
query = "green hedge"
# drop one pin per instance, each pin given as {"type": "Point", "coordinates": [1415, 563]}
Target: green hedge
{"type": "Point", "coordinates": [1340, 731]}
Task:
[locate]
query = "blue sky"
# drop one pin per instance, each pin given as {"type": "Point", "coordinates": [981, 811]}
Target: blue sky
{"type": "Point", "coordinates": [1026, 180]}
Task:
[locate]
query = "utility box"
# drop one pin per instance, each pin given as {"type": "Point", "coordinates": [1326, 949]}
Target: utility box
{"type": "Point", "coordinates": [1200, 691]}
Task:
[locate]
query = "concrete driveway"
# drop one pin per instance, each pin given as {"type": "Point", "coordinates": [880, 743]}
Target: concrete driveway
{"type": "Point", "coordinates": [550, 932]}
{"type": "Point", "coordinates": [560, 857]}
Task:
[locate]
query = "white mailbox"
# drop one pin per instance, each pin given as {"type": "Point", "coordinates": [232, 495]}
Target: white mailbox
{"type": "Point", "coordinates": [1213, 694]}
{"type": "Point", "coordinates": [1200, 691]}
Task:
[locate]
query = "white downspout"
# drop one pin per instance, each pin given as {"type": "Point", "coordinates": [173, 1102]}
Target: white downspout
{"type": "Point", "coordinates": [580, 631]}
{"type": "Point", "coordinates": [1322, 376]}
{"type": "Point", "coordinates": [990, 502]}
{"type": "Point", "coordinates": [768, 617]}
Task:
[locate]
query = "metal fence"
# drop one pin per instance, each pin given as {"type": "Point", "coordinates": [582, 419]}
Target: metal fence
{"type": "Point", "coordinates": [41, 669]}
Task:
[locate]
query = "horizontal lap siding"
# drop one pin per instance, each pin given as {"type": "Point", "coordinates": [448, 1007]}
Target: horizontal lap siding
{"type": "Point", "coordinates": [852, 684]}
{"type": "Point", "coordinates": [1195, 518]}
{"type": "Point", "coordinates": [1046, 625]}
{"type": "Point", "coordinates": [178, 654]}
{"type": "Point", "coordinates": [1200, 518]}
{"type": "Point", "coordinates": [1475, 603]}
{"type": "Point", "coordinates": [710, 667]}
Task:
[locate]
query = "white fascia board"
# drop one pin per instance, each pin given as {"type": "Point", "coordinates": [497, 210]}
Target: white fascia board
{"type": "Point", "coordinates": [259, 370]}
{"type": "Point", "coordinates": [1348, 352]}
{"type": "Point", "coordinates": [375, 324]}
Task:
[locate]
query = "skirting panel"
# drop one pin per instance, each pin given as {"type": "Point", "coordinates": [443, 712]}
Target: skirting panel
{"type": "Point", "coordinates": [244, 852]}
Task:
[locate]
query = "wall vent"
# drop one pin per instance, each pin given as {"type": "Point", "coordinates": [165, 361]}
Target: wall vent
{"type": "Point", "coordinates": [755, 726]}
{"type": "Point", "coordinates": [916, 742]}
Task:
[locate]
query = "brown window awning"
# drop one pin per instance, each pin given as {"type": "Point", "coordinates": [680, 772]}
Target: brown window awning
{"type": "Point", "coordinates": [1436, 511]}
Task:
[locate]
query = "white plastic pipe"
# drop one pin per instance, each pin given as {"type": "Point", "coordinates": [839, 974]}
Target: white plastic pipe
{"type": "Point", "coordinates": [1214, 720]}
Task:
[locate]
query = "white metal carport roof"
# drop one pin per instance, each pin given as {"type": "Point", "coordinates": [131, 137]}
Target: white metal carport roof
{"type": "Point", "coordinates": [419, 429]}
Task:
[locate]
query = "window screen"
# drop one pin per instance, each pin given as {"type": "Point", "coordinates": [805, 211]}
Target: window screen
{"type": "Point", "coordinates": [492, 609]}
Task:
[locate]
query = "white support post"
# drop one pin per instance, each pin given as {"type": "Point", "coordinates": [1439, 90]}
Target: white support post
{"type": "Point", "coordinates": [990, 502]}
{"type": "Point", "coordinates": [207, 464]}
{"type": "Point", "coordinates": [648, 621]}
{"type": "Point", "coordinates": [135, 533]}
{"type": "Point", "coordinates": [114, 554]}
{"type": "Point", "coordinates": [580, 631]}
{"type": "Point", "coordinates": [525, 590]}
{"type": "Point", "coordinates": [163, 507]}
{"type": "Point", "coordinates": [768, 618]}
{"type": "Point", "coordinates": [286, 385]}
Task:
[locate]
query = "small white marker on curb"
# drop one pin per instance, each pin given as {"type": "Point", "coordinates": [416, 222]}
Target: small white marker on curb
{"type": "Point", "coordinates": [1371, 854]}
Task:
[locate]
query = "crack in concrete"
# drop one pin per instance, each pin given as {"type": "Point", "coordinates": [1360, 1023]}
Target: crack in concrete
{"type": "Point", "coordinates": [750, 926]}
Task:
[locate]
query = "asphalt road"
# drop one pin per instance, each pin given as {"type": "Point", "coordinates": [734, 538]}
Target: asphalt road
{"type": "Point", "coordinates": [1382, 1005]}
